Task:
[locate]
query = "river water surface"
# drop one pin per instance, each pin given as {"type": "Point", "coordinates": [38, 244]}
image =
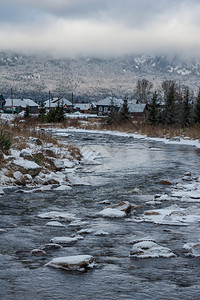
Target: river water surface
{"type": "Point", "coordinates": [124, 164]}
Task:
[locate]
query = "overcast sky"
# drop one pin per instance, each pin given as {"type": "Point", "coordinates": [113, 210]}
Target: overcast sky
{"type": "Point", "coordinates": [101, 27]}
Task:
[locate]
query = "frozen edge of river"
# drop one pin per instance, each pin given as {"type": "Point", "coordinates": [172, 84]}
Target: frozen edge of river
{"type": "Point", "coordinates": [177, 140]}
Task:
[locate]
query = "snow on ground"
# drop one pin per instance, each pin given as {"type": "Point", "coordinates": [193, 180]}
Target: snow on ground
{"type": "Point", "coordinates": [149, 249]}
{"type": "Point", "coordinates": [72, 263]}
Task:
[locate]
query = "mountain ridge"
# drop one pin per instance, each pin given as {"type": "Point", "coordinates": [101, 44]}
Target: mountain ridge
{"type": "Point", "coordinates": [90, 78]}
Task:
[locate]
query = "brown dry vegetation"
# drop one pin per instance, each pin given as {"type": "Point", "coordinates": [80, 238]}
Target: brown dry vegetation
{"type": "Point", "coordinates": [21, 129]}
{"type": "Point", "coordinates": [132, 126]}
{"type": "Point", "coordinates": [24, 128]}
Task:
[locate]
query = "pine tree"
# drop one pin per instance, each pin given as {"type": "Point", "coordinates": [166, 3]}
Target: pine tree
{"type": "Point", "coordinates": [27, 112]}
{"type": "Point", "coordinates": [124, 113]}
{"type": "Point", "coordinates": [42, 113]}
{"type": "Point", "coordinates": [197, 109]}
{"type": "Point", "coordinates": [169, 113]}
{"type": "Point", "coordinates": [186, 116]}
{"type": "Point", "coordinates": [51, 116]}
{"type": "Point", "coordinates": [60, 113]}
{"type": "Point", "coordinates": [154, 111]}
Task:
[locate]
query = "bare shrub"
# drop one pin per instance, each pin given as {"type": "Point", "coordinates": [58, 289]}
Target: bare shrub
{"type": "Point", "coordinates": [74, 151]}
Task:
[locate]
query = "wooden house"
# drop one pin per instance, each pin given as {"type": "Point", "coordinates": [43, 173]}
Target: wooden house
{"type": "Point", "coordinates": [105, 105]}
{"type": "Point", "coordinates": [54, 102]}
{"type": "Point", "coordinates": [138, 110]}
{"type": "Point", "coordinates": [19, 105]}
{"type": "Point", "coordinates": [84, 108]}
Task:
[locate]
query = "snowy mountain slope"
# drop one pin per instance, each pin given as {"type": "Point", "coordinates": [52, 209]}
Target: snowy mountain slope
{"type": "Point", "coordinates": [31, 75]}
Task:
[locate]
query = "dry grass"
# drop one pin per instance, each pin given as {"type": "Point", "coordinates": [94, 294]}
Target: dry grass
{"type": "Point", "coordinates": [74, 151]}
{"type": "Point", "coordinates": [192, 132]}
{"type": "Point", "coordinates": [21, 129]}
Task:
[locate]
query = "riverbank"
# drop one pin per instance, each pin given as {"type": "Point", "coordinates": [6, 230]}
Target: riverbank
{"type": "Point", "coordinates": [38, 159]}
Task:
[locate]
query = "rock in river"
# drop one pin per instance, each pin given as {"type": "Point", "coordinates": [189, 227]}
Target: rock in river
{"type": "Point", "coordinates": [149, 249]}
{"type": "Point", "coordinates": [72, 263]}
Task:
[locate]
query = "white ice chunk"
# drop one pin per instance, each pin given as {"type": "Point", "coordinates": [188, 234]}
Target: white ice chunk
{"type": "Point", "coordinates": [112, 213]}
{"type": "Point", "coordinates": [55, 223]}
{"type": "Point", "coordinates": [148, 249]}
{"type": "Point", "coordinates": [57, 215]}
{"type": "Point", "coordinates": [78, 262]}
{"type": "Point", "coordinates": [64, 240]}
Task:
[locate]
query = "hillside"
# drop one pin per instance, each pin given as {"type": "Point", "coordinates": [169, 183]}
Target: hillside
{"type": "Point", "coordinates": [89, 78]}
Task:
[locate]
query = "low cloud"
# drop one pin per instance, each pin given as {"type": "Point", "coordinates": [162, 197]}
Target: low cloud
{"type": "Point", "coordinates": [73, 28]}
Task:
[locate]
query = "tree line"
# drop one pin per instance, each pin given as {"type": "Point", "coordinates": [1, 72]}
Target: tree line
{"type": "Point", "coordinates": [175, 106]}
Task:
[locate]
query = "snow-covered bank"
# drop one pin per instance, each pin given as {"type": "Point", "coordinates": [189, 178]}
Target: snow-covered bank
{"type": "Point", "coordinates": [41, 166]}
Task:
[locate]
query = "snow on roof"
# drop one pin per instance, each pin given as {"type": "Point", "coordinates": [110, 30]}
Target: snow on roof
{"type": "Point", "coordinates": [82, 106]}
{"type": "Point", "coordinates": [136, 108]}
{"type": "Point", "coordinates": [20, 102]}
{"type": "Point", "coordinates": [55, 101]}
{"type": "Point", "coordinates": [30, 102]}
{"type": "Point", "coordinates": [108, 101]}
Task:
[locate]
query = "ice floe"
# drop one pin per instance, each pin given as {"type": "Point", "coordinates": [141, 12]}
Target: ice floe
{"type": "Point", "coordinates": [172, 215]}
{"type": "Point", "coordinates": [193, 249]}
{"type": "Point", "coordinates": [149, 249]}
{"type": "Point", "coordinates": [75, 180]}
{"type": "Point", "coordinates": [116, 211]}
{"type": "Point", "coordinates": [63, 188]}
{"type": "Point", "coordinates": [55, 224]}
{"type": "Point", "coordinates": [101, 233]}
{"type": "Point", "coordinates": [57, 215]}
{"type": "Point", "coordinates": [72, 263]}
{"type": "Point", "coordinates": [89, 157]}
{"type": "Point", "coordinates": [1, 191]}
{"type": "Point", "coordinates": [38, 252]}
{"type": "Point", "coordinates": [66, 240]}
{"type": "Point", "coordinates": [85, 231]}
{"type": "Point", "coordinates": [112, 213]}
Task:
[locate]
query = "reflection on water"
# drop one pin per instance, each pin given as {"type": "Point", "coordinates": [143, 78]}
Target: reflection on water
{"type": "Point", "coordinates": [126, 164]}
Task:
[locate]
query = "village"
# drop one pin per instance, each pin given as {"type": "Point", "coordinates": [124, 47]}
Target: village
{"type": "Point", "coordinates": [100, 108]}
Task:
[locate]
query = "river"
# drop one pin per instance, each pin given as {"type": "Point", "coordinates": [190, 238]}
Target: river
{"type": "Point", "coordinates": [124, 165]}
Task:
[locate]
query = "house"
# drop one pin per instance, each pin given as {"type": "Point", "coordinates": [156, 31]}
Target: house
{"type": "Point", "coordinates": [54, 102]}
{"type": "Point", "coordinates": [105, 105]}
{"type": "Point", "coordinates": [2, 101]}
{"type": "Point", "coordinates": [138, 110]}
{"type": "Point", "coordinates": [19, 105]}
{"type": "Point", "coordinates": [84, 108]}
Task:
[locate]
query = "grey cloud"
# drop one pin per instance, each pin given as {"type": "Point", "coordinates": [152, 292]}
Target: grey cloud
{"type": "Point", "coordinates": [132, 12]}
{"type": "Point", "coordinates": [72, 27]}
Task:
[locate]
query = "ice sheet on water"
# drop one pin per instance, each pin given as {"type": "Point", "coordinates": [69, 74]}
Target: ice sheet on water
{"type": "Point", "coordinates": [172, 215]}
{"type": "Point", "coordinates": [58, 215]}
{"type": "Point", "coordinates": [193, 249]}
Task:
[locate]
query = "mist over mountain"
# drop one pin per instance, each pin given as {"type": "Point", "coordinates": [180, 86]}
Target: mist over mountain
{"type": "Point", "coordinates": [90, 78]}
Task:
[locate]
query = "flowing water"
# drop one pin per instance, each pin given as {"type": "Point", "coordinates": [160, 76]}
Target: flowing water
{"type": "Point", "coordinates": [124, 164]}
